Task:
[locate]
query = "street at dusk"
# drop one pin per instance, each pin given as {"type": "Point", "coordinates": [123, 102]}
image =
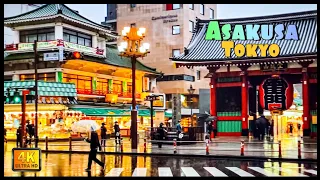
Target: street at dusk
{"type": "Point", "coordinates": [160, 90]}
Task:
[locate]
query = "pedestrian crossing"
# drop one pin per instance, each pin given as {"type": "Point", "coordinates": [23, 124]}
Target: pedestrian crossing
{"type": "Point", "coordinates": [215, 172]}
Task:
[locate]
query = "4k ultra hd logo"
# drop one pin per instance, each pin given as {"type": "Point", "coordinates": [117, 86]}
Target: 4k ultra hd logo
{"type": "Point", "coordinates": [250, 32]}
{"type": "Point", "coordinates": [26, 159]}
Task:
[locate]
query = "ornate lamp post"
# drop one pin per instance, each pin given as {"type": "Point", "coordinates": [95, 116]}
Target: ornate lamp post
{"type": "Point", "coordinates": [132, 47]}
{"type": "Point", "coordinates": [191, 91]}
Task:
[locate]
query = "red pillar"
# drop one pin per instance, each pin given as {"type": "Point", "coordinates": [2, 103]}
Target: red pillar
{"type": "Point", "coordinates": [306, 108]}
{"type": "Point", "coordinates": [244, 105]}
{"type": "Point", "coordinates": [213, 100]}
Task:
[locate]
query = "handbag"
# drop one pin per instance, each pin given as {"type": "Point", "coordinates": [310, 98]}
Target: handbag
{"type": "Point", "coordinates": [180, 136]}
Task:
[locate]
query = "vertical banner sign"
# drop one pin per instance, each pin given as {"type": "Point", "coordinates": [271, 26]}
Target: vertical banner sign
{"type": "Point", "coordinates": [276, 94]}
{"type": "Point", "coordinates": [176, 108]}
{"type": "Point", "coordinates": [26, 159]}
{"type": "Point", "coordinates": [60, 53]}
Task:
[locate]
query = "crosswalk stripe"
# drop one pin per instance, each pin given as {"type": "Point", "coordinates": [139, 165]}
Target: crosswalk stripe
{"type": "Point", "coordinates": [142, 172]}
{"type": "Point", "coordinates": [240, 172]}
{"type": "Point", "coordinates": [215, 172]}
{"type": "Point", "coordinates": [262, 171]}
{"type": "Point", "coordinates": [164, 172]}
{"type": "Point", "coordinates": [115, 172]}
{"type": "Point", "coordinates": [189, 172]}
{"type": "Point", "coordinates": [292, 173]}
{"type": "Point", "coordinates": [310, 171]}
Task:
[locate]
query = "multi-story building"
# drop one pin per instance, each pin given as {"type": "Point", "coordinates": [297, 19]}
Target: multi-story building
{"type": "Point", "coordinates": [77, 72]}
{"type": "Point", "coordinates": [169, 30]}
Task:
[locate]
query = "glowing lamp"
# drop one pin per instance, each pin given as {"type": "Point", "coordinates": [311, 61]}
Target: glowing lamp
{"type": "Point", "coordinates": [146, 46]}
{"type": "Point", "coordinates": [76, 55]}
{"type": "Point", "coordinates": [142, 49]}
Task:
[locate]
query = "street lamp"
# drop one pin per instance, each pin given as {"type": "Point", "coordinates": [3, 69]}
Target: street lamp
{"type": "Point", "coordinates": [132, 47]}
{"type": "Point", "coordinates": [191, 91]}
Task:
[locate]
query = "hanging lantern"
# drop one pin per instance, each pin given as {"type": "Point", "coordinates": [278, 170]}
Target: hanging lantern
{"type": "Point", "coordinates": [32, 114]}
{"type": "Point", "coordinates": [20, 114]}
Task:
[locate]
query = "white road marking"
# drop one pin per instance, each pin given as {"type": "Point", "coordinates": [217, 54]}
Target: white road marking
{"type": "Point", "coordinates": [115, 172]}
{"type": "Point", "coordinates": [215, 172]}
{"type": "Point", "coordinates": [310, 171]}
{"type": "Point", "coordinates": [264, 172]}
{"type": "Point", "coordinates": [240, 172]}
{"type": "Point", "coordinates": [165, 172]}
{"type": "Point", "coordinates": [289, 171]}
{"type": "Point", "coordinates": [141, 172]}
{"type": "Point", "coordinates": [189, 172]}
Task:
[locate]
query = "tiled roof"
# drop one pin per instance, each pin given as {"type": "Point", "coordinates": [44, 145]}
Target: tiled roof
{"type": "Point", "coordinates": [44, 88]}
{"type": "Point", "coordinates": [50, 11]}
{"type": "Point", "coordinates": [201, 50]}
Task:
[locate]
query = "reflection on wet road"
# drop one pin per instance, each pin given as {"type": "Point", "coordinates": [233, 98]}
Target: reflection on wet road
{"type": "Point", "coordinates": [74, 165]}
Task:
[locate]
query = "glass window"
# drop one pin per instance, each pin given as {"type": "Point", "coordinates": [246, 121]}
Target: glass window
{"type": "Point", "coordinates": [202, 9]}
{"type": "Point", "coordinates": [81, 41]}
{"type": "Point", "coordinates": [175, 52]}
{"type": "Point", "coordinates": [32, 38]}
{"type": "Point", "coordinates": [176, 6]}
{"type": "Point", "coordinates": [211, 13]}
{"type": "Point", "coordinates": [66, 37]}
{"type": "Point", "coordinates": [73, 39]}
{"type": "Point", "coordinates": [87, 42]}
{"type": "Point", "coordinates": [198, 75]}
{"type": "Point", "coordinates": [175, 29]}
{"type": "Point", "coordinates": [50, 37]}
{"type": "Point", "coordinates": [42, 37]}
{"type": "Point", "coordinates": [132, 5]}
{"type": "Point", "coordinates": [29, 36]}
{"type": "Point", "coordinates": [191, 25]}
{"type": "Point", "coordinates": [191, 6]}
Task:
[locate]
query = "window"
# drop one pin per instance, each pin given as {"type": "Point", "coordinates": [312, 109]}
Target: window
{"type": "Point", "coordinates": [77, 38]}
{"type": "Point", "coordinates": [117, 86]}
{"type": "Point", "coordinates": [129, 87]}
{"type": "Point", "coordinates": [102, 86]}
{"type": "Point", "coordinates": [175, 52]}
{"type": "Point", "coordinates": [191, 6]}
{"type": "Point", "coordinates": [181, 77]}
{"type": "Point", "coordinates": [191, 26]}
{"type": "Point", "coordinates": [198, 75]}
{"type": "Point", "coordinates": [211, 13]}
{"type": "Point", "coordinates": [202, 9]}
{"type": "Point", "coordinates": [175, 29]}
{"type": "Point", "coordinates": [83, 83]}
{"type": "Point", "coordinates": [133, 5]}
{"type": "Point", "coordinates": [49, 77]}
{"type": "Point", "coordinates": [175, 6]}
{"type": "Point", "coordinates": [30, 36]}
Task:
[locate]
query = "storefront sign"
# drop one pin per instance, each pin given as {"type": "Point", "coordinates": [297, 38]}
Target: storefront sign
{"type": "Point", "coordinates": [28, 46]}
{"type": "Point", "coordinates": [274, 67]}
{"type": "Point", "coordinates": [51, 56]}
{"type": "Point", "coordinates": [166, 19]}
{"type": "Point", "coordinates": [78, 47]}
{"type": "Point", "coordinates": [276, 94]}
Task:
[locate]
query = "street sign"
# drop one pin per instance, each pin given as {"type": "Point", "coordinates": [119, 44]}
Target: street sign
{"type": "Point", "coordinates": [137, 107]}
{"type": "Point", "coordinates": [51, 56]}
{"type": "Point", "coordinates": [26, 159]}
{"type": "Point", "coordinates": [60, 53]}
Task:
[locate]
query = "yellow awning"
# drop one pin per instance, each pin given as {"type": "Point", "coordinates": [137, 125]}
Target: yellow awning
{"type": "Point", "coordinates": [31, 107]}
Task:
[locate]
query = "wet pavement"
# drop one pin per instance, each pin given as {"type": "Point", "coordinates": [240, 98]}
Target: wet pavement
{"type": "Point", "coordinates": [219, 146]}
{"type": "Point", "coordinates": [118, 165]}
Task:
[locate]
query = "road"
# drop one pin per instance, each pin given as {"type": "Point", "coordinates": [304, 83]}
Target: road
{"type": "Point", "coordinates": [117, 165]}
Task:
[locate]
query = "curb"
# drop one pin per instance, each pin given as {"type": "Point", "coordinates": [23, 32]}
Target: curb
{"type": "Point", "coordinates": [189, 155]}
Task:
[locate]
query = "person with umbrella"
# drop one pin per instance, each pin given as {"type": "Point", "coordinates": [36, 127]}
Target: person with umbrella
{"type": "Point", "coordinates": [117, 132]}
{"type": "Point", "coordinates": [94, 146]}
{"type": "Point", "coordinates": [103, 134]}
{"type": "Point", "coordinates": [161, 134]}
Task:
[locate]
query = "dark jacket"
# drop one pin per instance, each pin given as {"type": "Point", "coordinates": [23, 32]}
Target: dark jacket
{"type": "Point", "coordinates": [103, 131]}
{"type": "Point", "coordinates": [29, 129]}
{"type": "Point", "coordinates": [116, 128]}
{"type": "Point", "coordinates": [209, 128]}
{"type": "Point", "coordinates": [94, 141]}
{"type": "Point", "coordinates": [161, 132]}
{"type": "Point", "coordinates": [19, 132]}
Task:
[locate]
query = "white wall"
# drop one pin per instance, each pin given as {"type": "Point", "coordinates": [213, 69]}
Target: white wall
{"type": "Point", "coordinates": [13, 10]}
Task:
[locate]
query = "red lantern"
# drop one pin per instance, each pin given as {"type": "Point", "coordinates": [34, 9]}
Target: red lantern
{"type": "Point", "coordinates": [20, 114]}
{"type": "Point", "coordinates": [32, 114]}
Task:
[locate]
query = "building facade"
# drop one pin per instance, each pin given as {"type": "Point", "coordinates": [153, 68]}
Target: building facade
{"type": "Point", "coordinates": [80, 77]}
{"type": "Point", "coordinates": [169, 30]}
{"type": "Point", "coordinates": [243, 88]}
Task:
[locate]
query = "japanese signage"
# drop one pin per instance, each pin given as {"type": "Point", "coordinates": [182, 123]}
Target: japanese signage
{"type": "Point", "coordinates": [78, 47]}
{"type": "Point", "coordinates": [176, 108]}
{"type": "Point", "coordinates": [276, 94]}
{"type": "Point", "coordinates": [274, 67]}
{"type": "Point", "coordinates": [166, 19]}
{"type": "Point", "coordinates": [26, 159]}
{"type": "Point", "coordinates": [159, 102]}
{"type": "Point", "coordinates": [50, 56]}
{"type": "Point", "coordinates": [28, 46]}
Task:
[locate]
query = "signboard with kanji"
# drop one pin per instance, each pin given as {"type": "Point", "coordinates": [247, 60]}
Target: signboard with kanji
{"type": "Point", "coordinates": [274, 67]}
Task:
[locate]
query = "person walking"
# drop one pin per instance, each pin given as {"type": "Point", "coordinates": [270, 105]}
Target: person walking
{"type": "Point", "coordinates": [29, 131]}
{"type": "Point", "coordinates": [291, 128]}
{"type": "Point", "coordinates": [117, 132]}
{"type": "Point", "coordinates": [19, 136]}
{"type": "Point", "coordinates": [161, 134]}
{"type": "Point", "coordinates": [103, 134]}
{"type": "Point", "coordinates": [262, 124]}
{"type": "Point", "coordinates": [179, 131]}
{"type": "Point", "coordinates": [94, 146]}
{"type": "Point", "coordinates": [209, 129]}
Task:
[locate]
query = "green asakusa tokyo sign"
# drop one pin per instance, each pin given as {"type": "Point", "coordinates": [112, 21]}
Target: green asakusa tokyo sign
{"type": "Point", "coordinates": [27, 46]}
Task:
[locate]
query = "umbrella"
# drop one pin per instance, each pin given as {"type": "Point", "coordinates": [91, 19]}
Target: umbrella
{"type": "Point", "coordinates": [84, 126]}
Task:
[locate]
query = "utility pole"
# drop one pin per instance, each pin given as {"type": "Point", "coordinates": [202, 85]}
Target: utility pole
{"type": "Point", "coordinates": [36, 60]}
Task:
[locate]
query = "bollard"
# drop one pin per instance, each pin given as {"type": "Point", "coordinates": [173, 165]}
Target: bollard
{"type": "Point", "coordinates": [299, 149]}
{"type": "Point", "coordinates": [207, 146]}
{"type": "Point", "coordinates": [174, 146]}
{"type": "Point", "coordinates": [280, 148]}
{"type": "Point", "coordinates": [46, 143]}
{"type": "Point", "coordinates": [242, 148]}
{"type": "Point", "coordinates": [70, 144]}
{"type": "Point", "coordinates": [121, 145]}
{"type": "Point", "coordinates": [145, 145]}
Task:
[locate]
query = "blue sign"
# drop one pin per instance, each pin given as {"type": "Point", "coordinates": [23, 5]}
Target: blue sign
{"type": "Point", "coordinates": [137, 107]}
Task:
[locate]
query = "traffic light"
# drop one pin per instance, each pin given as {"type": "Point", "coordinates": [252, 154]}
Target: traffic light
{"type": "Point", "coordinates": [16, 97]}
{"type": "Point", "coordinates": [73, 55]}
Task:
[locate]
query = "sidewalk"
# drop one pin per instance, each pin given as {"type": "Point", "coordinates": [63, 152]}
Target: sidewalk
{"type": "Point", "coordinates": [217, 148]}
